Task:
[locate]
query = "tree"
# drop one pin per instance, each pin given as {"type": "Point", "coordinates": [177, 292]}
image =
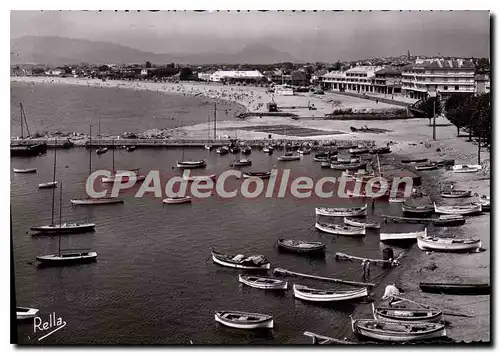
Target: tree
{"type": "Point", "coordinates": [483, 66]}
{"type": "Point", "coordinates": [148, 64]}
{"type": "Point", "coordinates": [430, 106]}
{"type": "Point", "coordinates": [185, 73]}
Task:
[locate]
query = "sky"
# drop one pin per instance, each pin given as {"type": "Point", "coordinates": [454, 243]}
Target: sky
{"type": "Point", "coordinates": [309, 36]}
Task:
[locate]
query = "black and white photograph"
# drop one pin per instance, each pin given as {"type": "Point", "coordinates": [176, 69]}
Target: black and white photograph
{"type": "Point", "coordinates": [250, 178]}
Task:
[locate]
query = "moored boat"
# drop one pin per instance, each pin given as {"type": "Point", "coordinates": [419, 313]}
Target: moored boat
{"type": "Point", "coordinates": [26, 313]}
{"type": "Point", "coordinates": [246, 150]}
{"type": "Point", "coordinates": [340, 229]}
{"type": "Point", "coordinates": [457, 209]}
{"type": "Point", "coordinates": [285, 158]}
{"type": "Point", "coordinates": [365, 224]}
{"type": "Point", "coordinates": [348, 166]}
{"type": "Point", "coordinates": [97, 201]}
{"type": "Point", "coordinates": [301, 246]}
{"type": "Point", "coordinates": [426, 167]}
{"type": "Point", "coordinates": [262, 175]}
{"type": "Point", "coordinates": [380, 150]}
{"type": "Point", "coordinates": [417, 209]}
{"type": "Point", "coordinates": [397, 331]}
{"type": "Point", "coordinates": [268, 149]}
{"type": "Point", "coordinates": [466, 168]}
{"type": "Point", "coordinates": [359, 150]}
{"type": "Point", "coordinates": [101, 150]}
{"type": "Point", "coordinates": [64, 228]}
{"type": "Point", "coordinates": [244, 320]}
{"type": "Point", "coordinates": [131, 148]}
{"type": "Point", "coordinates": [241, 162]}
{"type": "Point", "coordinates": [67, 258]}
{"type": "Point", "coordinates": [397, 200]}
{"type": "Point", "coordinates": [241, 261]}
{"type": "Point", "coordinates": [28, 150]}
{"type": "Point", "coordinates": [304, 151]}
{"type": "Point", "coordinates": [124, 177]}
{"type": "Point", "coordinates": [223, 150]}
{"type": "Point", "coordinates": [48, 185]}
{"type": "Point", "coordinates": [456, 288]}
{"type": "Point", "coordinates": [433, 243]}
{"type": "Point", "coordinates": [356, 211]}
{"type": "Point", "coordinates": [325, 164]}
{"type": "Point", "coordinates": [402, 236]}
{"type": "Point", "coordinates": [327, 295]}
{"type": "Point", "coordinates": [191, 164]}
{"type": "Point", "coordinates": [449, 220]}
{"type": "Point", "coordinates": [177, 200]}
{"type": "Point", "coordinates": [24, 170]}
{"type": "Point", "coordinates": [392, 314]}
{"type": "Point", "coordinates": [455, 193]}
{"type": "Point", "coordinates": [414, 160]}
{"type": "Point", "coordinates": [263, 282]}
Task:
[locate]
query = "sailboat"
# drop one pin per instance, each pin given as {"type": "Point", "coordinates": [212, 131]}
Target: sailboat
{"type": "Point", "coordinates": [95, 201]}
{"type": "Point", "coordinates": [123, 175]}
{"type": "Point", "coordinates": [190, 163]}
{"type": "Point", "coordinates": [208, 146]}
{"type": "Point", "coordinates": [63, 228]}
{"type": "Point", "coordinates": [288, 156]}
{"type": "Point", "coordinates": [29, 149]}
{"type": "Point", "coordinates": [101, 149]}
{"type": "Point", "coordinates": [53, 183]}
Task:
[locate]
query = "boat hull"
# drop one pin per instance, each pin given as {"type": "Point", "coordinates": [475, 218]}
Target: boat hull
{"type": "Point", "coordinates": [289, 158]}
{"type": "Point", "coordinates": [26, 313]}
{"type": "Point", "coordinates": [359, 327]}
{"type": "Point", "coordinates": [193, 164]}
{"type": "Point", "coordinates": [410, 236]}
{"type": "Point", "coordinates": [456, 289]}
{"type": "Point", "coordinates": [263, 175]}
{"type": "Point", "coordinates": [239, 266]}
{"type": "Point", "coordinates": [176, 201]}
{"type": "Point", "coordinates": [406, 315]}
{"type": "Point", "coordinates": [28, 150]}
{"type": "Point", "coordinates": [457, 210]}
{"type": "Point", "coordinates": [47, 185]}
{"type": "Point", "coordinates": [336, 231]}
{"type": "Point", "coordinates": [367, 225]}
{"type": "Point", "coordinates": [347, 212]}
{"type": "Point", "coordinates": [464, 194]}
{"type": "Point", "coordinates": [267, 322]}
{"type": "Point", "coordinates": [64, 229]}
{"type": "Point", "coordinates": [339, 296]}
{"type": "Point", "coordinates": [99, 201]}
{"type": "Point", "coordinates": [60, 260]}
{"type": "Point", "coordinates": [276, 285]}
{"type": "Point", "coordinates": [426, 244]}
{"type": "Point", "coordinates": [27, 170]}
{"type": "Point", "coordinates": [319, 248]}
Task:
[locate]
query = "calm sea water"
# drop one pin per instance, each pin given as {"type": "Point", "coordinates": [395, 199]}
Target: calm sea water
{"type": "Point", "coordinates": [154, 281]}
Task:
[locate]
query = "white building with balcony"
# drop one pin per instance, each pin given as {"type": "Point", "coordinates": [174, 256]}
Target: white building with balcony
{"type": "Point", "coordinates": [233, 74]}
{"type": "Point", "coordinates": [358, 79]}
{"type": "Point", "coordinates": [429, 76]}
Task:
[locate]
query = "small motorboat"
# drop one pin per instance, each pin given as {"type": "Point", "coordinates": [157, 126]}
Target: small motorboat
{"type": "Point", "coordinates": [356, 211]}
{"type": "Point", "coordinates": [455, 193]}
{"type": "Point", "coordinates": [241, 261]}
{"type": "Point", "coordinates": [67, 258]}
{"type": "Point", "coordinates": [263, 282]}
{"type": "Point", "coordinates": [285, 158]}
{"type": "Point", "coordinates": [304, 151]}
{"type": "Point", "coordinates": [458, 209]}
{"type": "Point", "coordinates": [241, 163]}
{"type": "Point", "coordinates": [365, 224]}
{"type": "Point", "coordinates": [426, 167]}
{"type": "Point", "coordinates": [64, 228]}
{"type": "Point", "coordinates": [48, 185]}
{"type": "Point", "coordinates": [449, 220]}
{"type": "Point", "coordinates": [320, 295]}
{"type": "Point", "coordinates": [297, 246]}
{"type": "Point", "coordinates": [25, 170]}
{"type": "Point", "coordinates": [432, 243]}
{"type": "Point", "coordinates": [223, 150]}
{"type": "Point", "coordinates": [466, 168]}
{"type": "Point", "coordinates": [336, 229]}
{"type": "Point", "coordinates": [191, 164]}
{"type": "Point", "coordinates": [97, 201]}
{"type": "Point", "coordinates": [268, 149]}
{"type": "Point", "coordinates": [101, 150]}
{"type": "Point", "coordinates": [177, 200]}
{"type": "Point", "coordinates": [392, 314]}
{"type": "Point", "coordinates": [26, 313]}
{"type": "Point", "coordinates": [397, 331]}
{"type": "Point", "coordinates": [403, 236]}
{"type": "Point", "coordinates": [199, 178]}
{"type": "Point", "coordinates": [456, 288]}
{"type": "Point", "coordinates": [414, 160]}
{"type": "Point", "coordinates": [244, 320]}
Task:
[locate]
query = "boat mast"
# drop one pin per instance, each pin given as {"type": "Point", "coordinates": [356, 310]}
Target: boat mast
{"type": "Point", "coordinates": [215, 121]}
{"type": "Point", "coordinates": [90, 149]}
{"type": "Point", "coordinates": [113, 147]}
{"type": "Point", "coordinates": [208, 129]}
{"type": "Point", "coordinates": [22, 127]}
{"type": "Point", "coordinates": [60, 206]}
{"type": "Point", "coordinates": [53, 189]}
{"type": "Point", "coordinates": [23, 118]}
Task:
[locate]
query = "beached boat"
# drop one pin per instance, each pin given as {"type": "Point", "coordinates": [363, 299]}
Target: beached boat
{"type": "Point", "coordinates": [25, 170]}
{"type": "Point", "coordinates": [340, 229]}
{"type": "Point", "coordinates": [297, 246]}
{"type": "Point", "coordinates": [433, 243]}
{"type": "Point", "coordinates": [444, 163]}
{"type": "Point", "coordinates": [263, 282]}
{"type": "Point", "coordinates": [177, 200]}
{"type": "Point", "coordinates": [262, 175]}
{"type": "Point", "coordinates": [191, 164]}
{"type": "Point", "coordinates": [397, 331]}
{"type": "Point", "coordinates": [199, 178]}
{"type": "Point", "coordinates": [417, 209]}
{"type": "Point", "coordinates": [457, 209]}
{"type": "Point", "coordinates": [449, 220]}
{"type": "Point", "coordinates": [466, 168]}
{"type": "Point", "coordinates": [321, 295]}
{"type": "Point", "coordinates": [456, 288]}
{"type": "Point", "coordinates": [404, 236]}
{"type": "Point", "coordinates": [414, 160]}
{"type": "Point", "coordinates": [356, 211]}
{"type": "Point", "coordinates": [392, 314]}
{"type": "Point", "coordinates": [397, 200]}
{"type": "Point", "coordinates": [26, 313]}
{"type": "Point", "coordinates": [241, 162]}
{"type": "Point", "coordinates": [485, 203]}
{"type": "Point", "coordinates": [48, 185]}
{"type": "Point", "coordinates": [359, 150]}
{"type": "Point", "coordinates": [456, 193]}
{"type": "Point", "coordinates": [241, 261]}
{"type": "Point", "coordinates": [345, 159]}
{"type": "Point", "coordinates": [365, 224]}
{"type": "Point", "coordinates": [348, 166]}
{"type": "Point", "coordinates": [244, 320]}
{"type": "Point", "coordinates": [426, 167]}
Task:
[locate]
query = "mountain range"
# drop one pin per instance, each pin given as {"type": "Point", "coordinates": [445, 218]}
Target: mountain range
{"type": "Point", "coordinates": [58, 51]}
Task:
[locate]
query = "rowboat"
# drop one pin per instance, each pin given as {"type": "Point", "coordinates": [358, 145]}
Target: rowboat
{"type": "Point", "coordinates": [199, 178]}
{"type": "Point", "coordinates": [426, 167]}
{"type": "Point", "coordinates": [263, 282]}
{"type": "Point", "coordinates": [433, 243]}
{"type": "Point", "coordinates": [177, 200]}
{"type": "Point", "coordinates": [417, 209]}
{"type": "Point", "coordinates": [466, 168]}
{"type": "Point", "coordinates": [223, 150]}
{"type": "Point", "coordinates": [97, 201]}
{"type": "Point", "coordinates": [241, 162]}
{"type": "Point", "coordinates": [67, 258]}
{"type": "Point", "coordinates": [102, 150]}
{"type": "Point", "coordinates": [25, 313]}
{"type": "Point", "coordinates": [262, 175]}
{"type": "Point", "coordinates": [356, 211]}
{"type": "Point", "coordinates": [241, 261]}
{"type": "Point", "coordinates": [397, 331]}
{"type": "Point", "coordinates": [48, 185]}
{"type": "Point", "coordinates": [449, 220]}
{"type": "Point", "coordinates": [191, 164]}
{"type": "Point", "coordinates": [359, 150]}
{"type": "Point", "coordinates": [244, 320]}
{"type": "Point", "coordinates": [456, 288]}
{"type": "Point", "coordinates": [402, 236]}
{"type": "Point", "coordinates": [320, 295]}
{"type": "Point", "coordinates": [345, 159]}
{"type": "Point", "coordinates": [365, 224]}
{"type": "Point", "coordinates": [456, 193]}
{"type": "Point", "coordinates": [414, 160]}
{"type": "Point", "coordinates": [348, 166]}
{"type": "Point", "coordinates": [64, 228]}
{"type": "Point", "coordinates": [301, 246]}
{"type": "Point", "coordinates": [457, 209]}
{"type": "Point", "coordinates": [247, 150]}
{"type": "Point", "coordinates": [289, 158]}
{"type": "Point", "coordinates": [392, 314]}
{"type": "Point", "coordinates": [25, 170]}
{"type": "Point", "coordinates": [340, 229]}
{"type": "Point", "coordinates": [324, 158]}
{"type": "Point", "coordinates": [320, 339]}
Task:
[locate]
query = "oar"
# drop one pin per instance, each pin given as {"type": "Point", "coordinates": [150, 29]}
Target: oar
{"type": "Point", "coordinates": [446, 312]}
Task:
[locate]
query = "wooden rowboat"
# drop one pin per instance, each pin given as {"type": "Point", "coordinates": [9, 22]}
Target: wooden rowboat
{"type": "Point", "coordinates": [244, 320]}
{"type": "Point", "coordinates": [448, 244]}
{"type": "Point", "coordinates": [191, 164]}
{"type": "Point", "coordinates": [457, 209]}
{"type": "Point", "coordinates": [48, 185]}
{"type": "Point", "coordinates": [456, 193]}
{"type": "Point", "coordinates": [25, 170]}
{"type": "Point", "coordinates": [392, 314]}
{"type": "Point", "coordinates": [417, 209]}
{"type": "Point", "coordinates": [356, 211]}
{"type": "Point", "coordinates": [402, 236]}
{"type": "Point", "coordinates": [456, 288]}
{"type": "Point", "coordinates": [397, 331]}
{"type": "Point", "coordinates": [449, 220]}
{"type": "Point", "coordinates": [365, 224]}
{"type": "Point", "coordinates": [414, 160]}
{"type": "Point", "coordinates": [426, 167]}
{"type": "Point", "coordinates": [301, 246]}
{"type": "Point", "coordinates": [340, 229]}
{"type": "Point", "coordinates": [263, 283]}
{"type": "Point", "coordinates": [25, 313]}
{"type": "Point", "coordinates": [348, 166]}
{"type": "Point", "coordinates": [320, 295]}
{"type": "Point", "coordinates": [240, 261]}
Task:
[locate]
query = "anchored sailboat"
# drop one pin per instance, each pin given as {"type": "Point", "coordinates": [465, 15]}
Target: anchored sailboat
{"type": "Point", "coordinates": [53, 183]}
{"type": "Point", "coordinates": [30, 149]}
{"type": "Point", "coordinates": [288, 156]}
{"type": "Point", "coordinates": [123, 176]}
{"type": "Point", "coordinates": [190, 163]}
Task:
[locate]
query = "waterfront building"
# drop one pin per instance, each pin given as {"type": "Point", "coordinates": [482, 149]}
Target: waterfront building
{"type": "Point", "coordinates": [388, 81]}
{"type": "Point", "coordinates": [428, 76]}
{"type": "Point", "coordinates": [358, 79]}
{"type": "Point", "coordinates": [481, 84]}
{"type": "Point", "coordinates": [250, 75]}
